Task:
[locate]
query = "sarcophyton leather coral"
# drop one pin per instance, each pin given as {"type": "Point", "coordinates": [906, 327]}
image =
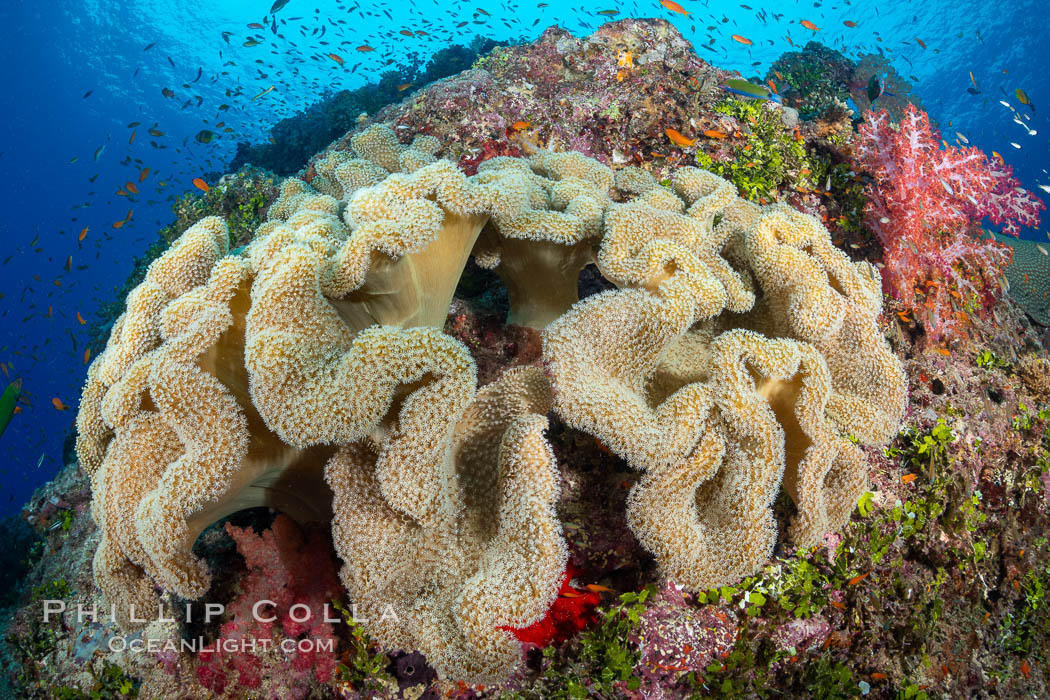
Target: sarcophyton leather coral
{"type": "Point", "coordinates": [459, 534]}
{"type": "Point", "coordinates": [741, 351]}
{"type": "Point", "coordinates": [308, 372]}
{"type": "Point", "coordinates": [233, 379]}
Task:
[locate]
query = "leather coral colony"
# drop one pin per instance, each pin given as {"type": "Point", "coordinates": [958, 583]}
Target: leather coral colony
{"type": "Point", "coordinates": [308, 373]}
{"type": "Point", "coordinates": [741, 351]}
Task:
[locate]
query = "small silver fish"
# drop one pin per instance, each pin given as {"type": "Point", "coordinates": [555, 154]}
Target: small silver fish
{"type": "Point", "coordinates": [1015, 145]}
{"type": "Point", "coordinates": [884, 220]}
{"type": "Point", "coordinates": [1045, 188]}
{"type": "Point", "coordinates": [962, 138]}
{"type": "Point", "coordinates": [41, 460]}
{"type": "Point", "coordinates": [946, 186]}
{"type": "Point", "coordinates": [1041, 248]}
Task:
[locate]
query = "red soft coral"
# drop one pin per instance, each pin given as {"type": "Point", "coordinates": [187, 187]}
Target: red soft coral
{"type": "Point", "coordinates": [925, 205]}
{"type": "Point", "coordinates": [572, 610]}
{"type": "Point", "coordinates": [297, 574]}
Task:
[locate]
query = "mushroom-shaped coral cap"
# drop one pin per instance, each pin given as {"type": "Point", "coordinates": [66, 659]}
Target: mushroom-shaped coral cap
{"type": "Point", "coordinates": [708, 519]}
{"type": "Point", "coordinates": [663, 372]}
{"type": "Point", "coordinates": [452, 523]}
{"type": "Point", "coordinates": [540, 251]}
{"type": "Point", "coordinates": [649, 241]}
{"type": "Point", "coordinates": [325, 345]}
{"type": "Point", "coordinates": [813, 292]}
{"type": "Point", "coordinates": [602, 355]}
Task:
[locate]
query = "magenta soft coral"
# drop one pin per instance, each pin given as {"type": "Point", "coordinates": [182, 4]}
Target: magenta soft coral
{"type": "Point", "coordinates": [925, 205]}
{"type": "Point", "coordinates": [297, 573]}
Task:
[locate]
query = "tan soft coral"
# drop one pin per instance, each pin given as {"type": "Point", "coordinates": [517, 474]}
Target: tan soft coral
{"type": "Point", "coordinates": [375, 153]}
{"type": "Point", "coordinates": [650, 241]}
{"type": "Point", "coordinates": [184, 266]}
{"type": "Point", "coordinates": [310, 374]}
{"type": "Point", "coordinates": [231, 381]}
{"type": "Point", "coordinates": [328, 341]}
{"type": "Point", "coordinates": [665, 374]}
{"type": "Point", "coordinates": [813, 292]}
{"type": "Point", "coordinates": [708, 518]}
{"type": "Point", "coordinates": [457, 534]}
{"type": "Point", "coordinates": [540, 251]}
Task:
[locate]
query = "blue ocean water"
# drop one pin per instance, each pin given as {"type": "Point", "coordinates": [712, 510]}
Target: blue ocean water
{"type": "Point", "coordinates": [79, 72]}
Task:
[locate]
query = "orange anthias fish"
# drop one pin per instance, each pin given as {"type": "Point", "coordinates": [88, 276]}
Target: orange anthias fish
{"type": "Point", "coordinates": [365, 48]}
{"type": "Point", "coordinates": [80, 319]}
{"type": "Point", "coordinates": [677, 138]}
{"type": "Point", "coordinates": [850, 24]}
{"type": "Point", "coordinates": [130, 187]}
{"type": "Point", "coordinates": [674, 7]}
{"type": "Point", "coordinates": [337, 58]}
{"type": "Point", "coordinates": [132, 139]}
{"type": "Point", "coordinates": [520, 126]}
{"type": "Point", "coordinates": [908, 478]}
{"type": "Point", "coordinates": [200, 184]}
{"type": "Point", "coordinates": [57, 403]}
{"type": "Point", "coordinates": [83, 234]}
{"type": "Point", "coordinates": [403, 86]}
{"type": "Point", "coordinates": [595, 588]}
{"type": "Point", "coordinates": [713, 134]}
{"type": "Point", "coordinates": [920, 42]}
{"type": "Point", "coordinates": [742, 39]}
{"type": "Point", "coordinates": [809, 25]}
{"type": "Point", "coordinates": [406, 32]}
{"type": "Point", "coordinates": [144, 174]}
{"type": "Point", "coordinates": [87, 355]}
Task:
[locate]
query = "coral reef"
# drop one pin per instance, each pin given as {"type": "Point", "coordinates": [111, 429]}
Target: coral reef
{"type": "Point", "coordinates": [294, 140]}
{"type": "Point", "coordinates": [697, 509]}
{"type": "Point", "coordinates": [570, 94]}
{"type": "Point", "coordinates": [241, 199]}
{"type": "Point", "coordinates": [1028, 277]}
{"type": "Point", "coordinates": [813, 79]}
{"type": "Point", "coordinates": [232, 380]}
{"type": "Point", "coordinates": [899, 89]}
{"type": "Point", "coordinates": [767, 157]}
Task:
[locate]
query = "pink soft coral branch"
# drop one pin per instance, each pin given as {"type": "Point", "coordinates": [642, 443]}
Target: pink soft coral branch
{"type": "Point", "coordinates": [289, 568]}
{"type": "Point", "coordinates": [924, 205]}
